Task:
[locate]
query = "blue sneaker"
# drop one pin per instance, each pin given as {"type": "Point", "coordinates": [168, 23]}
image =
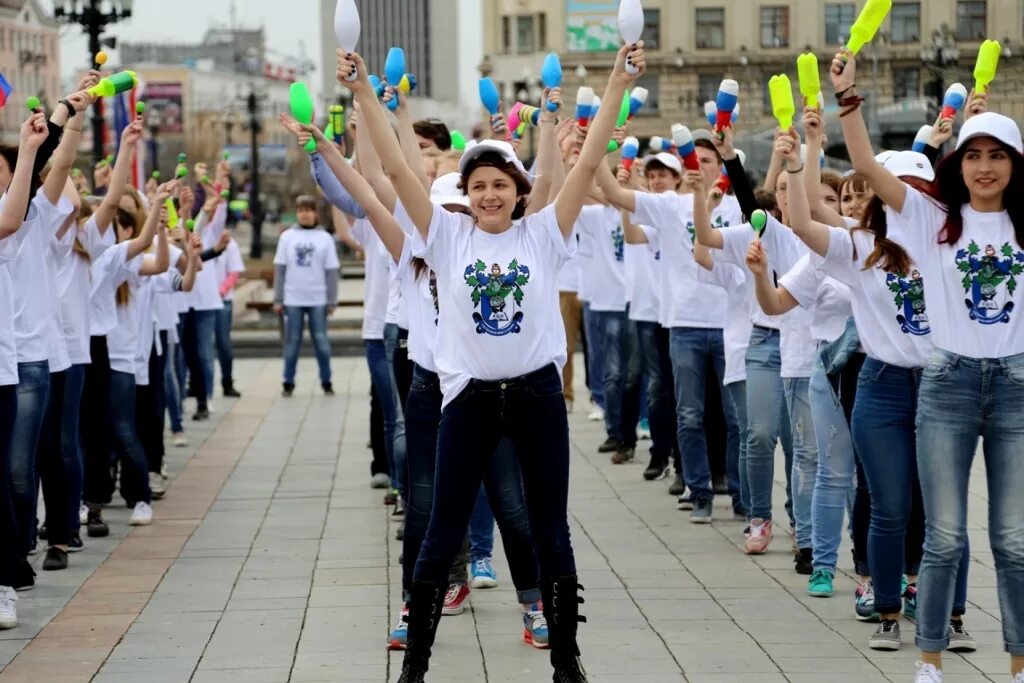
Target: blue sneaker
{"type": "Point", "coordinates": [483, 575]}
{"type": "Point", "coordinates": [643, 430]}
{"type": "Point", "coordinates": [820, 584]}
{"type": "Point", "coordinates": [535, 627]}
{"type": "Point", "coordinates": [398, 637]}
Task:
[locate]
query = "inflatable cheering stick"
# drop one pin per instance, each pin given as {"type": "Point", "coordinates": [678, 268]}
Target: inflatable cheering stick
{"type": "Point", "coordinates": [759, 221]}
{"type": "Point", "coordinates": [682, 138]}
{"type": "Point", "coordinates": [921, 139]}
{"type": "Point", "coordinates": [551, 76]}
{"type": "Point", "coordinates": [725, 103]}
{"type": "Point", "coordinates": [631, 26]}
{"type": "Point", "coordinates": [630, 150]}
{"type": "Point", "coordinates": [810, 81]}
{"type": "Point", "coordinates": [637, 100]}
{"type": "Point", "coordinates": [954, 100]}
{"type": "Point", "coordinates": [347, 27]}
{"type": "Point", "coordinates": [783, 107]}
{"type": "Point", "coordinates": [585, 106]}
{"type": "Point", "coordinates": [986, 66]}
{"type": "Point", "coordinates": [659, 144]}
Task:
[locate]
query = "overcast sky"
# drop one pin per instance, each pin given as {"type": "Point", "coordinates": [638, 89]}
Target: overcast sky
{"type": "Point", "coordinates": [287, 23]}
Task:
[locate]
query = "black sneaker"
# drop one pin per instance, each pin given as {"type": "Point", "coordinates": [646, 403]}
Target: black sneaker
{"type": "Point", "coordinates": [24, 577]}
{"type": "Point", "coordinates": [287, 389]}
{"type": "Point", "coordinates": [657, 469]}
{"type": "Point", "coordinates": [623, 455]}
{"type": "Point", "coordinates": [804, 562]}
{"type": "Point", "coordinates": [75, 545]}
{"type": "Point", "coordinates": [610, 445]}
{"type": "Point", "coordinates": [685, 501]}
{"type": "Point", "coordinates": [230, 391]}
{"type": "Point", "coordinates": [202, 413]}
{"type": "Point", "coordinates": [677, 487]}
{"type": "Point", "coordinates": [328, 389]}
{"type": "Point", "coordinates": [42, 531]}
{"type": "Point", "coordinates": [400, 532]}
{"type": "Point", "coordinates": [56, 559]}
{"type": "Point", "coordinates": [95, 527]}
{"type": "Point", "coordinates": [399, 510]}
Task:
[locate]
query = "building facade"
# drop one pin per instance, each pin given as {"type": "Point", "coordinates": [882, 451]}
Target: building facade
{"type": "Point", "coordinates": [29, 59]}
{"type": "Point", "coordinates": [693, 44]}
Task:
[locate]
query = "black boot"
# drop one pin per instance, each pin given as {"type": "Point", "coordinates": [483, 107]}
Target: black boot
{"type": "Point", "coordinates": [228, 387]}
{"type": "Point", "coordinates": [425, 603]}
{"type": "Point", "coordinates": [562, 612]}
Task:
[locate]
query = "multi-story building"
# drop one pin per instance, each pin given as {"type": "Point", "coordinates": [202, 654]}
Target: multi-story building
{"type": "Point", "coordinates": [443, 46]}
{"type": "Point", "coordinates": [228, 49]}
{"type": "Point", "coordinates": [29, 59]}
{"type": "Point", "coordinates": [693, 44]}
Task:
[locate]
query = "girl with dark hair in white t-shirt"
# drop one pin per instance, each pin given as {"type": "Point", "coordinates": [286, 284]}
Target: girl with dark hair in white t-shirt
{"type": "Point", "coordinates": [500, 347]}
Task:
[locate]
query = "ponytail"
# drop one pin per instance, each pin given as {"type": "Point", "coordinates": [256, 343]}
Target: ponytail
{"type": "Point", "coordinates": [887, 255]}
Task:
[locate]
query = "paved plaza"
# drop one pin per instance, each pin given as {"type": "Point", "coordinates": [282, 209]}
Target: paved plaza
{"type": "Point", "coordinates": [272, 560]}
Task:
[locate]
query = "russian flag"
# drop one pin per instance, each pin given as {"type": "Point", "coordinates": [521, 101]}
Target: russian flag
{"type": "Point", "coordinates": [5, 90]}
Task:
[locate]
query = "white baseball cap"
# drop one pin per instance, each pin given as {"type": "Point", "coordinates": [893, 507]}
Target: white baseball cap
{"type": "Point", "coordinates": [992, 125]}
{"type": "Point", "coordinates": [913, 164]}
{"type": "Point", "coordinates": [445, 191]}
{"type": "Point", "coordinates": [669, 161]}
{"type": "Point", "coordinates": [883, 156]}
{"type": "Point", "coordinates": [500, 147]}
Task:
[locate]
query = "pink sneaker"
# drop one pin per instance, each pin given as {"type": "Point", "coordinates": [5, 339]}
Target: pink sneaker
{"type": "Point", "coordinates": [455, 599]}
{"type": "Point", "coordinates": [759, 538]}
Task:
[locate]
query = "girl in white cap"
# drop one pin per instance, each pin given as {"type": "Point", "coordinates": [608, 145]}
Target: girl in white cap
{"type": "Point", "coordinates": [966, 237]}
{"type": "Point", "coordinates": [499, 350]}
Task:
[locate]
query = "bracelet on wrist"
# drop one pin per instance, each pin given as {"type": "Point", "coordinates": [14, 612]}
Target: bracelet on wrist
{"type": "Point", "coordinates": [70, 107]}
{"type": "Point", "coordinates": [842, 93]}
{"type": "Point", "coordinates": [794, 170]}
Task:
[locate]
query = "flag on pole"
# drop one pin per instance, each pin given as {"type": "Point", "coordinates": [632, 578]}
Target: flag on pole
{"type": "Point", "coordinates": [124, 114]}
{"type": "Point", "coordinates": [5, 90]}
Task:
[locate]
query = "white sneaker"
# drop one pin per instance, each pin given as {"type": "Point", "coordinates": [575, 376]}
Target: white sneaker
{"type": "Point", "coordinates": [83, 514]}
{"type": "Point", "coordinates": [180, 441]}
{"type": "Point", "coordinates": [156, 485]}
{"type": "Point", "coordinates": [927, 673]}
{"type": "Point", "coordinates": [596, 415]}
{"type": "Point", "coordinates": [142, 515]}
{"type": "Point", "coordinates": [8, 609]}
{"type": "Point", "coordinates": [209, 404]}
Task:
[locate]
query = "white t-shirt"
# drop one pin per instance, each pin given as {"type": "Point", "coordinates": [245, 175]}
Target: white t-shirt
{"type": "Point", "coordinates": [420, 295]}
{"type": "Point", "coordinates": [225, 264]}
{"type": "Point", "coordinates": [150, 290]}
{"type": "Point", "coordinates": [375, 298]}
{"type": "Point", "coordinates": [58, 358]}
{"type": "Point", "coordinates": [892, 320]}
{"type": "Point", "coordinates": [73, 292]}
{"type": "Point", "coordinates": [8, 348]}
{"type": "Point", "coordinates": [498, 297]}
{"type": "Point", "coordinates": [123, 337]}
{"type": "Point", "coordinates": [972, 287]}
{"type": "Point", "coordinates": [165, 304]}
{"type": "Point", "coordinates": [642, 288]}
{"type": "Point", "coordinates": [685, 300]}
{"type": "Point", "coordinates": [398, 311]}
{"type": "Point", "coordinates": [307, 254]}
{"type": "Point", "coordinates": [605, 276]}
{"type": "Point", "coordinates": [569, 275]}
{"type": "Point", "coordinates": [583, 263]}
{"type": "Point", "coordinates": [736, 334]}
{"type": "Point", "coordinates": [828, 299]}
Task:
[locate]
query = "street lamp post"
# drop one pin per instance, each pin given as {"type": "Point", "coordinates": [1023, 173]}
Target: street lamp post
{"type": "Point", "coordinates": [255, 206]}
{"type": "Point", "coordinates": [93, 19]}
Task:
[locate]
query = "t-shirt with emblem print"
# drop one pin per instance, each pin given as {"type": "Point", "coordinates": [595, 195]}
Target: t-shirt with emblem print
{"type": "Point", "coordinates": [601, 227]}
{"type": "Point", "coordinates": [498, 297]}
{"type": "Point", "coordinates": [307, 254]}
{"type": "Point", "coordinates": [419, 290]}
{"type": "Point", "coordinates": [973, 287]}
{"type": "Point", "coordinates": [685, 300]}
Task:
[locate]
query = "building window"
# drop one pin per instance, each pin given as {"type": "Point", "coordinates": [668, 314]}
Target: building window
{"type": "Point", "coordinates": [523, 34]}
{"type": "Point", "coordinates": [526, 37]}
{"type": "Point", "coordinates": [906, 82]}
{"type": "Point", "coordinates": [839, 16]}
{"type": "Point", "coordinates": [653, 84]}
{"type": "Point", "coordinates": [711, 28]}
{"type": "Point", "coordinates": [906, 22]}
{"type": "Point", "coordinates": [971, 20]}
{"type": "Point", "coordinates": [707, 87]}
{"type": "Point", "coordinates": [774, 27]}
{"type": "Point", "coordinates": [652, 28]}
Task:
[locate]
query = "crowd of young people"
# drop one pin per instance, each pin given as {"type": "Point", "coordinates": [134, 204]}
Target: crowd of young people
{"type": "Point", "coordinates": [795, 308]}
{"type": "Point", "coordinates": [107, 310]}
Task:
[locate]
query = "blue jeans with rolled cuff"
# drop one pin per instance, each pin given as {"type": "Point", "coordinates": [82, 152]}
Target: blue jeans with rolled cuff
{"type": "Point", "coordinates": [805, 455]}
{"type": "Point", "coordinates": [382, 376]}
{"type": "Point", "coordinates": [33, 395]}
{"type": "Point", "coordinates": [767, 419]}
{"type": "Point", "coordinates": [293, 319]}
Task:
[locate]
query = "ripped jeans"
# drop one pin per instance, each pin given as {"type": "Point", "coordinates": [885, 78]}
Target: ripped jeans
{"type": "Point", "coordinates": [805, 455]}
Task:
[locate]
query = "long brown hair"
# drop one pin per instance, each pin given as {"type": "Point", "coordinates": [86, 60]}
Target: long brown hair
{"type": "Point", "coordinates": [495, 160]}
{"type": "Point", "coordinates": [126, 219]}
{"type": "Point", "coordinates": [952, 192]}
{"type": "Point", "coordinates": [887, 255]}
{"type": "Point", "coordinates": [84, 214]}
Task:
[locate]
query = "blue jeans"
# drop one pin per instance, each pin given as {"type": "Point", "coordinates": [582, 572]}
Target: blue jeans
{"type": "Point", "coordinates": [962, 399]}
{"type": "Point", "coordinates": [737, 392]}
{"type": "Point", "coordinates": [173, 386]}
{"type": "Point", "coordinates": [382, 376]}
{"type": "Point", "coordinates": [33, 394]}
{"type": "Point", "coordinates": [60, 455]}
{"type": "Point", "coordinates": [691, 348]}
{"type": "Point", "coordinates": [657, 370]}
{"type": "Point", "coordinates": [9, 538]}
{"type": "Point", "coordinates": [472, 425]}
{"type": "Point", "coordinates": [481, 525]}
{"type": "Point", "coordinates": [883, 434]}
{"type": "Point", "coordinates": [134, 465]}
{"type": "Point", "coordinates": [222, 338]}
{"type": "Point", "coordinates": [620, 374]}
{"type": "Point", "coordinates": [834, 481]}
{"type": "Point", "coordinates": [293, 319]}
{"type": "Point", "coordinates": [767, 419]}
{"type": "Point", "coordinates": [805, 455]}
{"type": "Point", "coordinates": [197, 344]}
{"type": "Point", "coordinates": [395, 341]}
{"type": "Point", "coordinates": [502, 481]}
{"type": "Point", "coordinates": [595, 356]}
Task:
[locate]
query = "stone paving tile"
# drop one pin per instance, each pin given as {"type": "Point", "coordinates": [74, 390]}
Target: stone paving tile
{"type": "Point", "coordinates": [272, 560]}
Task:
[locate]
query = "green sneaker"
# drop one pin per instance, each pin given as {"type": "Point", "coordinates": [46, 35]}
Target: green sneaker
{"type": "Point", "coordinates": [820, 584]}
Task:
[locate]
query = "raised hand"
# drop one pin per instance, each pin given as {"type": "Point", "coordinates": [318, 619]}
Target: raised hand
{"type": "Point", "coordinates": [132, 132]}
{"type": "Point", "coordinates": [80, 100]}
{"type": "Point", "coordinates": [186, 199]}
{"type": "Point", "coordinates": [942, 131]}
{"type": "Point", "coordinates": [634, 56]}
{"type": "Point", "coordinates": [787, 146]}
{"type": "Point", "coordinates": [757, 261]}
{"type": "Point", "coordinates": [164, 191]}
{"type": "Point", "coordinates": [554, 96]}
{"type": "Point", "coordinates": [977, 103]}
{"type": "Point", "coordinates": [694, 181]}
{"type": "Point", "coordinates": [813, 126]}
{"type": "Point", "coordinates": [34, 131]}
{"type": "Point", "coordinates": [723, 142]}
{"type": "Point", "coordinates": [843, 71]}
{"type": "Point", "coordinates": [223, 241]}
{"type": "Point", "coordinates": [91, 78]}
{"type": "Point", "coordinates": [347, 63]}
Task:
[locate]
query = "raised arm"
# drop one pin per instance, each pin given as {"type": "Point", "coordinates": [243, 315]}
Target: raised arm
{"type": "Point", "coordinates": [67, 149]}
{"type": "Point", "coordinates": [415, 198]}
{"type": "Point", "coordinates": [192, 246]}
{"type": "Point", "coordinates": [141, 243]}
{"type": "Point", "coordinates": [887, 187]}
{"type": "Point", "coordinates": [381, 218]}
{"type": "Point", "coordinates": [548, 156]}
{"type": "Point", "coordinates": [737, 174]}
{"type": "Point", "coordinates": [155, 264]}
{"type": "Point", "coordinates": [617, 190]}
{"type": "Point", "coordinates": [772, 300]}
{"type": "Point", "coordinates": [407, 137]}
{"type": "Point", "coordinates": [705, 233]}
{"type": "Point", "coordinates": [371, 169]}
{"type": "Point", "coordinates": [814, 130]}
{"type": "Point", "coordinates": [581, 177]}
{"type": "Point", "coordinates": [12, 214]}
{"type": "Point", "coordinates": [119, 177]}
{"type": "Point", "coordinates": [811, 232]}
